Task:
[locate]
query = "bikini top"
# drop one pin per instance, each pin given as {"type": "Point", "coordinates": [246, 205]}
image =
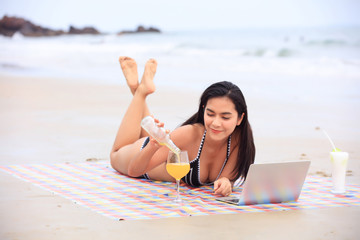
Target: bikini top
{"type": "Point", "coordinates": [193, 176]}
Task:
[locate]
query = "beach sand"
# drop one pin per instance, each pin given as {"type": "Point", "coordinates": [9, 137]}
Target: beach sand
{"type": "Point", "coordinates": [47, 120]}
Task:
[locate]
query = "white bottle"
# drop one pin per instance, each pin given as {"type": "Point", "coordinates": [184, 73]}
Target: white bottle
{"type": "Point", "coordinates": [158, 133]}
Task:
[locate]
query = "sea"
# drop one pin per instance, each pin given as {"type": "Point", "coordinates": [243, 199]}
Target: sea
{"type": "Point", "coordinates": [318, 66]}
{"type": "Point", "coordinates": [189, 58]}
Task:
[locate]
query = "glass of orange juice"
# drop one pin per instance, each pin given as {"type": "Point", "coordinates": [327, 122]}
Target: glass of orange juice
{"type": "Point", "coordinates": [178, 166]}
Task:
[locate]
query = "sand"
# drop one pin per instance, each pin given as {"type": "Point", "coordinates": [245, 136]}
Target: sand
{"type": "Point", "coordinates": [48, 120]}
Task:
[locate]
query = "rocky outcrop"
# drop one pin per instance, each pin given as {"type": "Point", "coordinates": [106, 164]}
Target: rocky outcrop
{"type": "Point", "coordinates": [141, 29]}
{"type": "Point", "coordinates": [85, 30]}
{"type": "Point", "coordinates": [10, 25]}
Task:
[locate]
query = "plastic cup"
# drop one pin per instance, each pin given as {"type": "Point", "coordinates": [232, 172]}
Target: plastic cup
{"type": "Point", "coordinates": [339, 162]}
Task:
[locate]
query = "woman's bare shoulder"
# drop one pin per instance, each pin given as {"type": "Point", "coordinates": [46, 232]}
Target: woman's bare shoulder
{"type": "Point", "coordinates": [191, 128]}
{"type": "Point", "coordinates": [190, 132]}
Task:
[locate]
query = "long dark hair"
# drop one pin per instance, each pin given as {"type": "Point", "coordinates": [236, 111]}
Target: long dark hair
{"type": "Point", "coordinates": [246, 153]}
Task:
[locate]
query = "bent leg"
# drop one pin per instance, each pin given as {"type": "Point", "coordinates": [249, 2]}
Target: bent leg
{"type": "Point", "coordinates": [147, 80]}
{"type": "Point", "coordinates": [129, 69]}
{"type": "Point", "coordinates": [130, 129]}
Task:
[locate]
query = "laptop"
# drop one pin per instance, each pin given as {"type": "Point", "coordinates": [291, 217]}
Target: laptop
{"type": "Point", "coordinates": [271, 183]}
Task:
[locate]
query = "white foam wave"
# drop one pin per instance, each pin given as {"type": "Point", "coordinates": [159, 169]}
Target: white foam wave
{"type": "Point", "coordinates": [96, 56]}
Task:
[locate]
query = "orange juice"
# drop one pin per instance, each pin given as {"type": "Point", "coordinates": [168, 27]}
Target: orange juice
{"type": "Point", "coordinates": [177, 170]}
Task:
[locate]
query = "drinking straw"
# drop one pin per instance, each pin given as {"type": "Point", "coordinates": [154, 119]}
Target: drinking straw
{"type": "Point", "coordinates": [332, 143]}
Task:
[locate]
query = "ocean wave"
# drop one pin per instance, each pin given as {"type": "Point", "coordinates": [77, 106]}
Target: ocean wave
{"type": "Point", "coordinates": [186, 49]}
{"type": "Point", "coordinates": [262, 52]}
{"type": "Point", "coordinates": [322, 67]}
{"type": "Point", "coordinates": [96, 56]}
{"type": "Point", "coordinates": [327, 42]}
{"type": "Point", "coordinates": [7, 65]}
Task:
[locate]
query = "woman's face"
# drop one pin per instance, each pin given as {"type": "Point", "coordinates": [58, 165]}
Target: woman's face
{"type": "Point", "coordinates": [221, 117]}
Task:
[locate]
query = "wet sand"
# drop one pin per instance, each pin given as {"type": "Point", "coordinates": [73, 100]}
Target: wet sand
{"type": "Point", "coordinates": [59, 120]}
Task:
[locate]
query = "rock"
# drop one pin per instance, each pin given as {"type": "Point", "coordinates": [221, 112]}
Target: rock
{"type": "Point", "coordinates": [141, 29]}
{"type": "Point", "coordinates": [10, 25]}
{"type": "Point", "coordinates": [85, 30]}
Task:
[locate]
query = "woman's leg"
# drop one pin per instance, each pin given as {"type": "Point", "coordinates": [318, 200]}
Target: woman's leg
{"type": "Point", "coordinates": [130, 130]}
{"type": "Point", "coordinates": [129, 69]}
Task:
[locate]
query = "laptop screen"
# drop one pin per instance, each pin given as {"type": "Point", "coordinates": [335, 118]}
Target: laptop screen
{"type": "Point", "coordinates": [272, 183]}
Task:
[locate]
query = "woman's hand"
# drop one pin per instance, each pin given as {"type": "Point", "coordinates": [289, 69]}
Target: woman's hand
{"type": "Point", "coordinates": [160, 125]}
{"type": "Point", "coordinates": [223, 187]}
{"type": "Point", "coordinates": [157, 121]}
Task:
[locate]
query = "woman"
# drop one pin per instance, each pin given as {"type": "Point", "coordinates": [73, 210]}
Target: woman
{"type": "Point", "coordinates": [219, 134]}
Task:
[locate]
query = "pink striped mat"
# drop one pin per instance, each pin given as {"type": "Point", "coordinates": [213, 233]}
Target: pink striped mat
{"type": "Point", "coordinates": [98, 187]}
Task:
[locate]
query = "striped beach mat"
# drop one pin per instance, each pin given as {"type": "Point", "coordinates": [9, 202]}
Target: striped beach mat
{"type": "Point", "coordinates": [97, 186]}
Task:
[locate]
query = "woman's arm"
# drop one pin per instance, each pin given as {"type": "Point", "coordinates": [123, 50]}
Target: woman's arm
{"type": "Point", "coordinates": [140, 164]}
{"type": "Point", "coordinates": [223, 186]}
{"type": "Point", "coordinates": [153, 154]}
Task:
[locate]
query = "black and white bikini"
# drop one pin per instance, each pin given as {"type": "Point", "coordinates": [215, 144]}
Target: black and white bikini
{"type": "Point", "coordinates": [193, 177]}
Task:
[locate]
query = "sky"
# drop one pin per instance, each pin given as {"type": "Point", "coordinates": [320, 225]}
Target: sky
{"type": "Point", "coordinates": [167, 15]}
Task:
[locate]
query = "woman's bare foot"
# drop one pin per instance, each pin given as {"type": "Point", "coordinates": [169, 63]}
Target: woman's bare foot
{"type": "Point", "coordinates": [129, 68]}
{"type": "Point", "coordinates": [147, 85]}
